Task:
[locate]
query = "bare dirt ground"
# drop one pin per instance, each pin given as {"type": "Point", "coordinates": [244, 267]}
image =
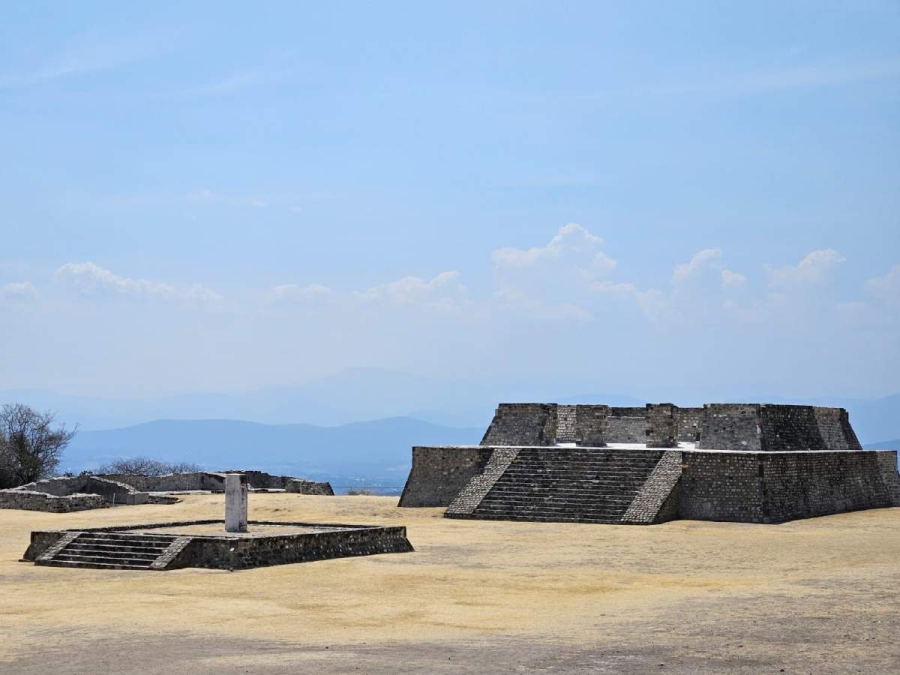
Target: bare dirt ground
{"type": "Point", "coordinates": [815, 596]}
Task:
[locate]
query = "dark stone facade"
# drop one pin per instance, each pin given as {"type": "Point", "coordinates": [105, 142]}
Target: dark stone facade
{"type": "Point", "coordinates": [438, 474]}
{"type": "Point", "coordinates": [522, 424]}
{"type": "Point", "coordinates": [739, 462]}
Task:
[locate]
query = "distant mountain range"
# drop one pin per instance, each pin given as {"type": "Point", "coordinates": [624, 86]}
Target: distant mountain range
{"type": "Point", "coordinates": [359, 423]}
{"type": "Point", "coordinates": [374, 453]}
{"type": "Point", "coordinates": [351, 396]}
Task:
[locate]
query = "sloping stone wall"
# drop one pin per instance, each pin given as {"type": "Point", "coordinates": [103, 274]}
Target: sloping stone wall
{"type": "Point", "coordinates": [658, 492]}
{"type": "Point", "coordinates": [834, 427]}
{"type": "Point", "coordinates": [478, 487]}
{"type": "Point", "coordinates": [774, 487]}
{"type": "Point", "coordinates": [789, 427]}
{"type": "Point", "coordinates": [522, 424]}
{"type": "Point", "coordinates": [730, 426]}
{"type": "Point", "coordinates": [438, 474]}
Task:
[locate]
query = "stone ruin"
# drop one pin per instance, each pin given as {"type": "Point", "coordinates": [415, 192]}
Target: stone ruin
{"type": "Point", "coordinates": [233, 543]}
{"type": "Point", "coordinates": [751, 463]}
{"type": "Point", "coordinates": [88, 491]}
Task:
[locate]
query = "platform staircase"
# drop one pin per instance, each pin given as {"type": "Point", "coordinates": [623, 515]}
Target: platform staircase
{"type": "Point", "coordinates": [567, 485]}
{"type": "Point", "coordinates": [112, 550]}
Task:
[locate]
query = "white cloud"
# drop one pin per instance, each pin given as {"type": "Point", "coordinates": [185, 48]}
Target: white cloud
{"type": "Point", "coordinates": [443, 291]}
{"type": "Point", "coordinates": [90, 277]}
{"type": "Point", "coordinates": [297, 293]}
{"type": "Point", "coordinates": [701, 260]}
{"type": "Point", "coordinates": [574, 243]}
{"type": "Point", "coordinates": [887, 287]}
{"type": "Point", "coordinates": [613, 287]}
{"type": "Point", "coordinates": [19, 290]}
{"type": "Point", "coordinates": [812, 269]}
{"type": "Point", "coordinates": [732, 279]}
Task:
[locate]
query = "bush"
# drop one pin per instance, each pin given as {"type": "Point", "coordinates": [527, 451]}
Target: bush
{"type": "Point", "coordinates": [360, 492]}
{"type": "Point", "coordinates": [145, 466]}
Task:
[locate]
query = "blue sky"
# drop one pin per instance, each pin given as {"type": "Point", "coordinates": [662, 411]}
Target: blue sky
{"type": "Point", "coordinates": [654, 198]}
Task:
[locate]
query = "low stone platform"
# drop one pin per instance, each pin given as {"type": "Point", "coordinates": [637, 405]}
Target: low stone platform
{"type": "Point", "coordinates": [204, 543]}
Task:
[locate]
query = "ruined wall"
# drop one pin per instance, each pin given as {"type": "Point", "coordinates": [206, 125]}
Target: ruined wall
{"type": "Point", "coordinates": [30, 500]}
{"type": "Point", "coordinates": [309, 487]}
{"type": "Point", "coordinates": [522, 424]}
{"type": "Point", "coordinates": [688, 424]}
{"type": "Point", "coordinates": [764, 487]}
{"type": "Point", "coordinates": [173, 482]}
{"type": "Point", "coordinates": [114, 492]}
{"type": "Point", "coordinates": [439, 473]}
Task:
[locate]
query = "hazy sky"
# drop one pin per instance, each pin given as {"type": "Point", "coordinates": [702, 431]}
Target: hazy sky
{"type": "Point", "coordinates": [656, 197]}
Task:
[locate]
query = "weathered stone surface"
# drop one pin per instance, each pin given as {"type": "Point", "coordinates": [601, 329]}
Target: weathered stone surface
{"type": "Point", "coordinates": [522, 424]}
{"type": "Point", "coordinates": [123, 548]}
{"type": "Point", "coordinates": [658, 492]}
{"type": "Point", "coordinates": [29, 500]}
{"type": "Point", "coordinates": [438, 474]}
{"type": "Point", "coordinates": [478, 487]}
{"type": "Point", "coordinates": [309, 487]}
{"type": "Point", "coordinates": [70, 493]}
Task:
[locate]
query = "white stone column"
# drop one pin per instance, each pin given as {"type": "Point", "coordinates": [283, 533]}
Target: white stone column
{"type": "Point", "coordinates": [236, 502]}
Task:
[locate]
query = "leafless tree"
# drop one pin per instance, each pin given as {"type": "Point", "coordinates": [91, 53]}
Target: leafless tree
{"type": "Point", "coordinates": [145, 466]}
{"type": "Point", "coordinates": [30, 446]}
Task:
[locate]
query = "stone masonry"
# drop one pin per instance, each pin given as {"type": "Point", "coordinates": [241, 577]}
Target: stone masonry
{"type": "Point", "coordinates": [752, 463]}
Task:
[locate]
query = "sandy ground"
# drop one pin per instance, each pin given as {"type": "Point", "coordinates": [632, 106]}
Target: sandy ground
{"type": "Point", "coordinates": [814, 596]}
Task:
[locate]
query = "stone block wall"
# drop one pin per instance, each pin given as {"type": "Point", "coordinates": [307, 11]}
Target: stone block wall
{"type": "Point", "coordinates": [789, 427]}
{"type": "Point", "coordinates": [661, 426]}
{"type": "Point", "coordinates": [834, 427]}
{"type": "Point", "coordinates": [112, 491]}
{"type": "Point", "coordinates": [29, 500]}
{"type": "Point", "coordinates": [730, 426]}
{"type": "Point", "coordinates": [173, 482]}
{"type": "Point", "coordinates": [439, 473]}
{"type": "Point", "coordinates": [522, 424]}
{"type": "Point", "coordinates": [590, 425]}
{"type": "Point", "coordinates": [309, 487]}
{"type": "Point", "coordinates": [627, 425]}
{"type": "Point", "coordinates": [566, 423]}
{"type": "Point", "coordinates": [689, 423]}
{"type": "Point", "coordinates": [774, 487]}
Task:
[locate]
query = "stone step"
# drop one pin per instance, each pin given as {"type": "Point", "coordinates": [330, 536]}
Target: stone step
{"type": "Point", "coordinates": [78, 543]}
{"type": "Point", "coordinates": [55, 562]}
{"type": "Point", "coordinates": [93, 552]}
{"type": "Point", "coordinates": [612, 520]}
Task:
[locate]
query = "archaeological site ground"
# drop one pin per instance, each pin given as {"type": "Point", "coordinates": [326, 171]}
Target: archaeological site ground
{"type": "Point", "coordinates": [816, 595]}
{"type": "Point", "coordinates": [770, 544]}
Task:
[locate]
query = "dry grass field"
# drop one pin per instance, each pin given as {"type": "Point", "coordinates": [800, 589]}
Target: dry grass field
{"type": "Point", "coordinates": [813, 596]}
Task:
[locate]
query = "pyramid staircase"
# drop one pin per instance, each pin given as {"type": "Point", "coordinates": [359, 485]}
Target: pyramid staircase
{"type": "Point", "coordinates": [113, 550]}
{"type": "Point", "coordinates": [574, 485]}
